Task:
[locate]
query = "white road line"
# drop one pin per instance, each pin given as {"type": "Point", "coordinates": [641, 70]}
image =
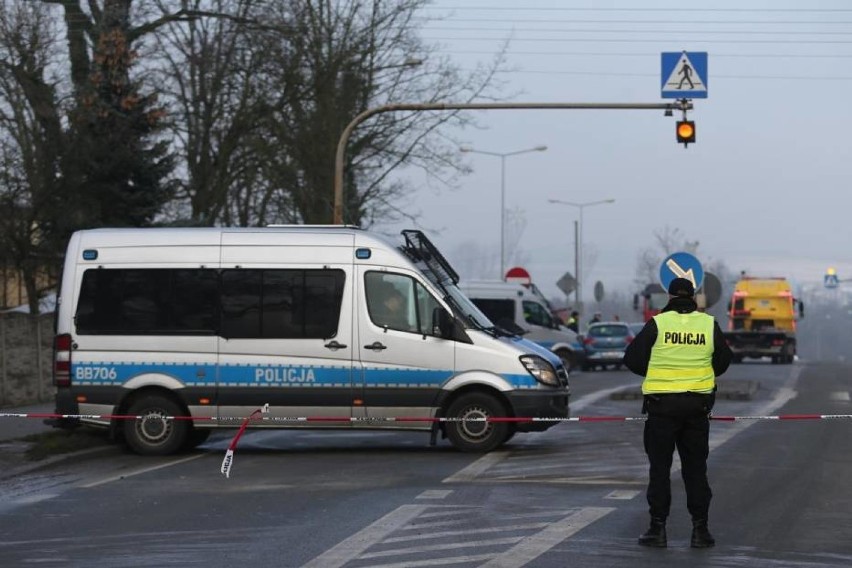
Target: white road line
{"type": "Point", "coordinates": [455, 510]}
{"type": "Point", "coordinates": [442, 534]}
{"type": "Point", "coordinates": [438, 547]}
{"type": "Point", "coordinates": [435, 561]}
{"type": "Point", "coordinates": [841, 396]}
{"type": "Point", "coordinates": [141, 471]}
{"type": "Point", "coordinates": [622, 494]}
{"type": "Point", "coordinates": [535, 545]}
{"type": "Point", "coordinates": [491, 459]}
{"type": "Point", "coordinates": [356, 544]}
{"type": "Point", "coordinates": [435, 494]}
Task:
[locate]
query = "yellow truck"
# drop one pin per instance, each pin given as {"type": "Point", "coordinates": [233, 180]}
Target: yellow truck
{"type": "Point", "coordinates": [762, 317]}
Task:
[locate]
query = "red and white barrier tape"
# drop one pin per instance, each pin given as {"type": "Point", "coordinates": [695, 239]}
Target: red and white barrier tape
{"type": "Point", "coordinates": [229, 454]}
{"type": "Point", "coordinates": [260, 416]}
{"type": "Point", "coordinates": [354, 419]}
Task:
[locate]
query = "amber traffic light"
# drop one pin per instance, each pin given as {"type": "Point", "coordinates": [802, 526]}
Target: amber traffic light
{"type": "Point", "coordinates": [685, 132]}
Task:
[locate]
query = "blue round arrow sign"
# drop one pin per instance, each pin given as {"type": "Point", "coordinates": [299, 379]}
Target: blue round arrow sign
{"type": "Point", "coordinates": [681, 265]}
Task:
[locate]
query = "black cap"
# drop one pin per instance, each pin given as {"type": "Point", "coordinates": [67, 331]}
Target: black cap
{"type": "Point", "coordinates": [682, 288]}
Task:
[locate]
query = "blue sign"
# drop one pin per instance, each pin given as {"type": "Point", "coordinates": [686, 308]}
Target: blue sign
{"type": "Point", "coordinates": [681, 265]}
{"type": "Point", "coordinates": [684, 75]}
{"type": "Point", "coordinates": [831, 281]}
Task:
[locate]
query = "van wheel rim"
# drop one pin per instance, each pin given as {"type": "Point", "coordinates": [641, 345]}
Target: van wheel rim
{"type": "Point", "coordinates": [153, 427]}
{"type": "Point", "coordinates": [472, 424]}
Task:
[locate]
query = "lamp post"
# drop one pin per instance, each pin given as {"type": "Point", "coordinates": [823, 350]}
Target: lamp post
{"type": "Point", "coordinates": [503, 156]}
{"type": "Point", "coordinates": [578, 252]}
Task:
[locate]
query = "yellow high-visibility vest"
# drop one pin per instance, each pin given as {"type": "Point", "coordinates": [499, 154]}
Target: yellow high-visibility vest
{"type": "Point", "coordinates": [682, 357]}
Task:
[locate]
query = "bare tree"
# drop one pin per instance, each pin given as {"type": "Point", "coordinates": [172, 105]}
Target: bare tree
{"type": "Point", "coordinates": [334, 59]}
{"type": "Point", "coordinates": [30, 145]}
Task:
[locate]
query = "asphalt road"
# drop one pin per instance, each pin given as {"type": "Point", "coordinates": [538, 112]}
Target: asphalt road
{"type": "Point", "coordinates": [572, 496]}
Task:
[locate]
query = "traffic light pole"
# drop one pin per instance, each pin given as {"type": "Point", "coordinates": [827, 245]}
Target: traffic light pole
{"type": "Point", "coordinates": [339, 160]}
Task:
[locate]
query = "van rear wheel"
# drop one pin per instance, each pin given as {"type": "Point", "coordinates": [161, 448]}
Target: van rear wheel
{"type": "Point", "coordinates": [153, 434]}
{"type": "Point", "coordinates": [470, 431]}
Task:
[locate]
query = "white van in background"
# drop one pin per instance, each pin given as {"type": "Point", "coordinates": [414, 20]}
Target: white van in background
{"type": "Point", "coordinates": [518, 308]}
{"type": "Point", "coordinates": [327, 322]}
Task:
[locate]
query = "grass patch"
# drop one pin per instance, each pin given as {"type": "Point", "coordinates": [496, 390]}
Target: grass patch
{"type": "Point", "coordinates": [64, 442]}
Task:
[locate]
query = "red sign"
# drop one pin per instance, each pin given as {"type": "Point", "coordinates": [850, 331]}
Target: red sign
{"type": "Point", "coordinates": [519, 275]}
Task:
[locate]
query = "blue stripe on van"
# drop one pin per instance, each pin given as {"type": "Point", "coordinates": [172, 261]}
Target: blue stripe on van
{"type": "Point", "coordinates": [205, 374]}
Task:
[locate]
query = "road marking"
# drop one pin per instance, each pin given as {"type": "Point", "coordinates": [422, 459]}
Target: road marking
{"type": "Point", "coordinates": [359, 542]}
{"type": "Point", "coordinates": [435, 494]}
{"type": "Point", "coordinates": [468, 531]}
{"type": "Point", "coordinates": [841, 396]}
{"type": "Point", "coordinates": [537, 544]}
{"type": "Point", "coordinates": [489, 460]}
{"type": "Point", "coordinates": [622, 494]}
{"type": "Point", "coordinates": [439, 547]}
{"type": "Point", "coordinates": [511, 550]}
{"type": "Point", "coordinates": [141, 471]}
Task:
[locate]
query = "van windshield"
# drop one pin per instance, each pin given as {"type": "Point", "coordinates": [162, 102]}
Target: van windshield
{"type": "Point", "coordinates": [469, 313]}
{"type": "Point", "coordinates": [432, 264]}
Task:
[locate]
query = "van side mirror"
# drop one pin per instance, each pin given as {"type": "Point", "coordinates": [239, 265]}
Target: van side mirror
{"type": "Point", "coordinates": [442, 323]}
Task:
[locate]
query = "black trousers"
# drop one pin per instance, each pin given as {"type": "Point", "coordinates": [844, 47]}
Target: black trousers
{"type": "Point", "coordinates": [681, 421]}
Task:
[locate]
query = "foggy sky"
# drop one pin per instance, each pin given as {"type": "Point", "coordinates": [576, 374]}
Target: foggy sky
{"type": "Point", "coordinates": [766, 188]}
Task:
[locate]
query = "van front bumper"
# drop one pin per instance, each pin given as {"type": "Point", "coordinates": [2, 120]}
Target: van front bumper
{"type": "Point", "coordinates": [539, 405]}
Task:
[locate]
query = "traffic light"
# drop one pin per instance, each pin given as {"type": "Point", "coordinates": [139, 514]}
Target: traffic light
{"type": "Point", "coordinates": [685, 132]}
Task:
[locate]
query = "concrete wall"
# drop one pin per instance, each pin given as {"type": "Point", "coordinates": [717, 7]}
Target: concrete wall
{"type": "Point", "coordinates": [26, 351]}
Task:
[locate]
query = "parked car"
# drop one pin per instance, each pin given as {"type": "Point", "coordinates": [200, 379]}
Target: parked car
{"type": "Point", "coordinates": [636, 327]}
{"type": "Point", "coordinates": [605, 343]}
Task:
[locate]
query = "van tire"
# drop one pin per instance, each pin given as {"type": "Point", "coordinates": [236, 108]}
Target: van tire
{"type": "Point", "coordinates": [151, 435]}
{"type": "Point", "coordinates": [477, 436]}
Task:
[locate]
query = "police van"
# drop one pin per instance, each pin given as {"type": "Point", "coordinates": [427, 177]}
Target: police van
{"type": "Point", "coordinates": [332, 327]}
{"type": "Point", "coordinates": [516, 307]}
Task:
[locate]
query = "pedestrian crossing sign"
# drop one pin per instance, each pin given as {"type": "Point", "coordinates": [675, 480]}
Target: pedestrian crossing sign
{"type": "Point", "coordinates": [684, 75]}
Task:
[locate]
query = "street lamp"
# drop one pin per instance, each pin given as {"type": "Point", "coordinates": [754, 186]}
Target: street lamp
{"type": "Point", "coordinates": [578, 252]}
{"type": "Point", "coordinates": [503, 156]}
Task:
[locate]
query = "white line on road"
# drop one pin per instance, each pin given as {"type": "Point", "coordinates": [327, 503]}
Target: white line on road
{"type": "Point", "coordinates": [625, 494]}
{"type": "Point", "coordinates": [141, 471]}
{"type": "Point", "coordinates": [356, 544]}
{"type": "Point", "coordinates": [435, 494]}
{"type": "Point", "coordinates": [537, 544]}
{"type": "Point", "coordinates": [486, 462]}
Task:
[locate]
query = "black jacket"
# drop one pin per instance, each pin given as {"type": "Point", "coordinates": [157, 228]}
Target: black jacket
{"type": "Point", "coordinates": [638, 353]}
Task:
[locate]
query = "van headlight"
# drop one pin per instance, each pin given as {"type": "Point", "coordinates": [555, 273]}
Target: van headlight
{"type": "Point", "coordinates": [541, 370]}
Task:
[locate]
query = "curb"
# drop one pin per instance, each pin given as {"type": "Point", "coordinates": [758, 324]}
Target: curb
{"type": "Point", "coordinates": [739, 390]}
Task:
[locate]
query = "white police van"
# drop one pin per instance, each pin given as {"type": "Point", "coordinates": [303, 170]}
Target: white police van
{"type": "Point", "coordinates": [518, 308]}
{"type": "Point", "coordinates": [213, 323]}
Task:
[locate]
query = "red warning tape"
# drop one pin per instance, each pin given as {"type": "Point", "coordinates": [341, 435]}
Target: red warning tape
{"type": "Point", "coordinates": [254, 417]}
{"type": "Point", "coordinates": [260, 415]}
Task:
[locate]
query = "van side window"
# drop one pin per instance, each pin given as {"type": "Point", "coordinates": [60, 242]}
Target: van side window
{"type": "Point", "coordinates": [148, 302]}
{"type": "Point", "coordinates": [285, 304]}
{"type": "Point", "coordinates": [535, 314]}
{"type": "Point", "coordinates": [391, 301]}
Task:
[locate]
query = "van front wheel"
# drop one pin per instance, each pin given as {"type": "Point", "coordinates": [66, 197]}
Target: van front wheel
{"type": "Point", "coordinates": [469, 429]}
{"type": "Point", "coordinates": [153, 434]}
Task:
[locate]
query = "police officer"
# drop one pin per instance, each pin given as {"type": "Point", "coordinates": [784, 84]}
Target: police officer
{"type": "Point", "coordinates": [574, 322]}
{"type": "Point", "coordinates": [680, 352]}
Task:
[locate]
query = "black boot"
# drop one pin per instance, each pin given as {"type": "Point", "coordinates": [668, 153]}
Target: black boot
{"type": "Point", "coordinates": [656, 534]}
{"type": "Point", "coordinates": [701, 537]}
